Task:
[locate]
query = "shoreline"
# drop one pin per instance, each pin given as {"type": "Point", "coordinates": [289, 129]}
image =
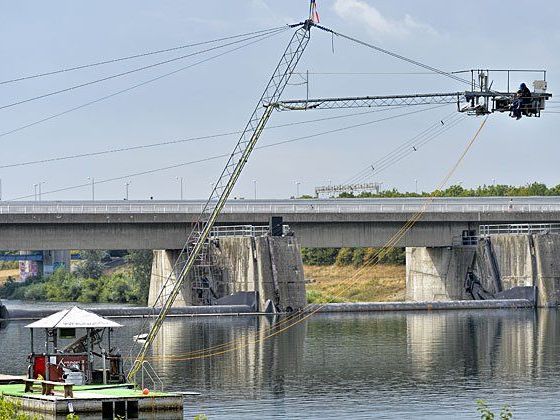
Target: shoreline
{"type": "Point", "coordinates": [244, 310]}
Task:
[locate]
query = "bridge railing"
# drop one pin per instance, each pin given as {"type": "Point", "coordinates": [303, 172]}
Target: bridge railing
{"type": "Point", "coordinates": [519, 229]}
{"type": "Point", "coordinates": [239, 230]}
{"type": "Point", "coordinates": [279, 208]}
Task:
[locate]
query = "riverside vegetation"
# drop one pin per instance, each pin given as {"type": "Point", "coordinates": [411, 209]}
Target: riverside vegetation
{"type": "Point", "coordinates": [90, 282]}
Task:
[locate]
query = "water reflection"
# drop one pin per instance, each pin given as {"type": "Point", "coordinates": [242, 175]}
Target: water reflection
{"type": "Point", "coordinates": [479, 345]}
{"type": "Point", "coordinates": [254, 362]}
{"type": "Point", "coordinates": [392, 365]}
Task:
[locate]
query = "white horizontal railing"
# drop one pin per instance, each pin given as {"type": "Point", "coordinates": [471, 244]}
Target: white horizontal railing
{"type": "Point", "coordinates": [279, 208]}
{"type": "Point", "coordinates": [239, 230]}
{"type": "Point", "coordinates": [519, 229]}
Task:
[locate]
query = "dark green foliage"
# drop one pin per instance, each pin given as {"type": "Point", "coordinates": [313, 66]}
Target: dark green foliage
{"type": "Point", "coordinates": [92, 263]}
{"type": "Point", "coordinates": [63, 286]}
{"type": "Point", "coordinates": [119, 289]}
{"type": "Point", "coordinates": [487, 414]}
{"type": "Point", "coordinates": [356, 257]}
{"type": "Point", "coordinates": [534, 189]}
{"type": "Point", "coordinates": [319, 256]}
{"type": "Point", "coordinates": [345, 256]}
{"type": "Point", "coordinates": [88, 283]}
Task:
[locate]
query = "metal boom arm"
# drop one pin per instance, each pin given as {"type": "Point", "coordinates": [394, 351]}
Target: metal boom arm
{"type": "Point", "coordinates": [475, 102]}
{"type": "Point", "coordinates": [198, 239]}
{"type": "Point", "coordinates": [370, 101]}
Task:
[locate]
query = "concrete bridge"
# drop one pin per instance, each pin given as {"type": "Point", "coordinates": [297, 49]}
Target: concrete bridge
{"type": "Point", "coordinates": [62, 225]}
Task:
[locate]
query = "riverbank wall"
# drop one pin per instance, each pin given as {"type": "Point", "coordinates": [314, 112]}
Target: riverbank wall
{"type": "Point", "coordinates": [241, 310]}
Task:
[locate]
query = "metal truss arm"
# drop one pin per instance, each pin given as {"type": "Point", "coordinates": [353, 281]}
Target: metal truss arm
{"type": "Point", "coordinates": [370, 101]}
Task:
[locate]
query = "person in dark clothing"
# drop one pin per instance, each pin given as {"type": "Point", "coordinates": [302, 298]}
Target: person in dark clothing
{"type": "Point", "coordinates": [522, 100]}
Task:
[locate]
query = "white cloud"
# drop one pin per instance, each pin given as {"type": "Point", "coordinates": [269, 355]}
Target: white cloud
{"type": "Point", "coordinates": [361, 12]}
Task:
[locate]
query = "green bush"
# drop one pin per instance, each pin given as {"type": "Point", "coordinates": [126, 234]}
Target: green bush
{"type": "Point", "coordinates": [12, 411]}
{"type": "Point", "coordinates": [119, 289]}
{"type": "Point", "coordinates": [487, 414]}
{"type": "Point", "coordinates": [319, 256]}
{"type": "Point", "coordinates": [345, 256]}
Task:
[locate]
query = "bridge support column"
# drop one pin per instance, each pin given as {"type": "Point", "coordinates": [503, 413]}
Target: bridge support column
{"type": "Point", "coordinates": [437, 273]}
{"type": "Point", "coordinates": [524, 260]}
{"type": "Point", "coordinates": [162, 268]}
{"type": "Point", "coordinates": [271, 266]}
{"type": "Point", "coordinates": [52, 260]}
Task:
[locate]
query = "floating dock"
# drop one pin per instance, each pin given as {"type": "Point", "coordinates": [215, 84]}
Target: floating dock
{"type": "Point", "coordinates": [94, 402]}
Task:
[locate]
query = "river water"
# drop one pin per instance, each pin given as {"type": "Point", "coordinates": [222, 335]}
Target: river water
{"type": "Point", "coordinates": [358, 366]}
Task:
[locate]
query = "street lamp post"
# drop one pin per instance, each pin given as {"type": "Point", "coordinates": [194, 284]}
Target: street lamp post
{"type": "Point", "coordinates": [35, 192]}
{"type": "Point", "coordinates": [0, 189]}
{"type": "Point", "coordinates": [92, 179]}
{"type": "Point", "coordinates": [180, 179]}
{"type": "Point", "coordinates": [126, 185]}
{"type": "Point", "coordinates": [255, 187]}
{"type": "Point", "coordinates": [416, 186]}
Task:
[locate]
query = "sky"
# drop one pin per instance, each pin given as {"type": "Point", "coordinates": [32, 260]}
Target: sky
{"type": "Point", "coordinates": [218, 96]}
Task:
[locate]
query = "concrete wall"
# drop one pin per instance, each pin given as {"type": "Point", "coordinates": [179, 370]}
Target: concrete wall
{"type": "Point", "coordinates": [547, 253]}
{"type": "Point", "coordinates": [434, 274]}
{"type": "Point", "coordinates": [162, 268]}
{"type": "Point", "coordinates": [526, 260]}
{"type": "Point", "coordinates": [520, 260]}
{"type": "Point", "coordinates": [271, 266]}
{"type": "Point", "coordinates": [514, 258]}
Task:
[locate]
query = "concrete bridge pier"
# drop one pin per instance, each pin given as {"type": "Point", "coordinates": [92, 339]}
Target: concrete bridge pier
{"type": "Point", "coordinates": [271, 266]}
{"type": "Point", "coordinates": [437, 273]}
{"type": "Point", "coordinates": [498, 263]}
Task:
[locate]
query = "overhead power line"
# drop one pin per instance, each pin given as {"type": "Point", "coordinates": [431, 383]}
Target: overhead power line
{"type": "Point", "coordinates": [398, 155]}
{"type": "Point", "coordinates": [119, 92]}
{"type": "Point", "coordinates": [410, 143]}
{"type": "Point", "coordinates": [138, 69]}
{"type": "Point", "coordinates": [130, 57]}
{"type": "Point", "coordinates": [179, 141]}
{"type": "Point", "coordinates": [220, 156]}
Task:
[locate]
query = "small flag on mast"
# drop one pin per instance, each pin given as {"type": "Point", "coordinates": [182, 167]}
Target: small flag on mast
{"type": "Point", "coordinates": [313, 14]}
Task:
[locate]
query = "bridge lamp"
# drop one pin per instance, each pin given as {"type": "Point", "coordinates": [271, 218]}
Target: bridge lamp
{"type": "Point", "coordinates": [180, 179]}
{"type": "Point", "coordinates": [92, 179]}
{"type": "Point", "coordinates": [126, 185]}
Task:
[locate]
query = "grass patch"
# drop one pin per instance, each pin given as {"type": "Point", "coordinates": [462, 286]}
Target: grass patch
{"type": "Point", "coordinates": [315, 296]}
{"type": "Point", "coordinates": [380, 283]}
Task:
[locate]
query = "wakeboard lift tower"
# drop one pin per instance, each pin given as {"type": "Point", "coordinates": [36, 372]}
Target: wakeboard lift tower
{"type": "Point", "coordinates": [193, 258]}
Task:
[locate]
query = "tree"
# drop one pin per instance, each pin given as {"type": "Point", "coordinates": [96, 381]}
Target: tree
{"type": "Point", "coordinates": [345, 256]}
{"type": "Point", "coordinates": [141, 261]}
{"type": "Point", "coordinates": [92, 265]}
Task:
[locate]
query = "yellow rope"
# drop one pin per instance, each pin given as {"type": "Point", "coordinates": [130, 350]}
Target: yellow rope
{"type": "Point", "coordinates": [232, 346]}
